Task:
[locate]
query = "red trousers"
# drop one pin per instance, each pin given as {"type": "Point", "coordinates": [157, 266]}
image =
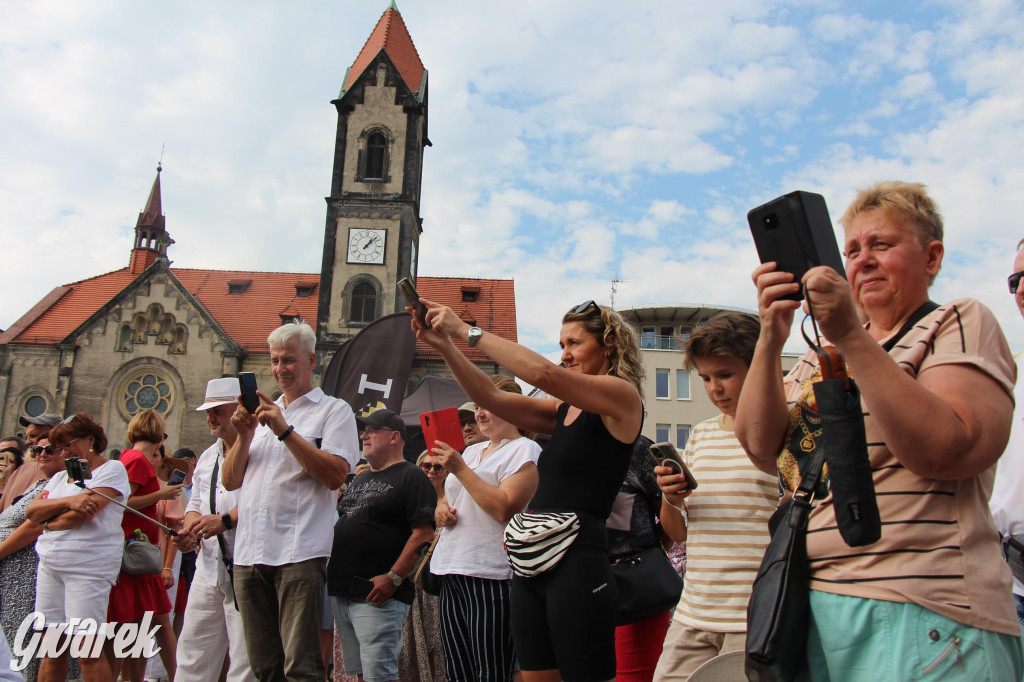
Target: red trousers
{"type": "Point", "coordinates": [638, 647]}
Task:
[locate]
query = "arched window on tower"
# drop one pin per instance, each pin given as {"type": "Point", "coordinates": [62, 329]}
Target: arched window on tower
{"type": "Point", "coordinates": [376, 146]}
{"type": "Point", "coordinates": [364, 303]}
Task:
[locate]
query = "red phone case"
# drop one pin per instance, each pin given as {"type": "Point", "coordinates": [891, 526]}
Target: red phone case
{"type": "Point", "coordinates": [443, 425]}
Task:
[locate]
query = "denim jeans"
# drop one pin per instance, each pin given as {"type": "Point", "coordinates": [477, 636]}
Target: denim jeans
{"type": "Point", "coordinates": [371, 636]}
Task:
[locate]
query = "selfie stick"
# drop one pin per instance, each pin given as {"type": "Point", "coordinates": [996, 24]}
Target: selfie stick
{"type": "Point", "coordinates": [170, 531]}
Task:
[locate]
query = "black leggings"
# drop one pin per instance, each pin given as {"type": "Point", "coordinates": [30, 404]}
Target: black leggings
{"type": "Point", "coordinates": [565, 618]}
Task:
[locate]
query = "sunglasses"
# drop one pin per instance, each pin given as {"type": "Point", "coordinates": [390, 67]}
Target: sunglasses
{"type": "Point", "coordinates": [467, 420]}
{"type": "Point", "coordinates": [584, 307]}
{"type": "Point", "coordinates": [374, 429]}
{"type": "Point", "coordinates": [49, 450]}
{"type": "Point", "coordinates": [435, 467]}
{"type": "Point", "coordinates": [1014, 280]}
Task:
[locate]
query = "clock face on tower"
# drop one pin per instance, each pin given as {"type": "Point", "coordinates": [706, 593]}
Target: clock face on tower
{"type": "Point", "coordinates": [366, 246]}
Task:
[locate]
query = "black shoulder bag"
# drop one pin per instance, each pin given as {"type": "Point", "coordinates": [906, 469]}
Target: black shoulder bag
{"type": "Point", "coordinates": [225, 556]}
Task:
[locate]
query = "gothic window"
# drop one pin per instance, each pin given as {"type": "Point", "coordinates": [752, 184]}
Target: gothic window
{"type": "Point", "coordinates": [144, 390]}
{"type": "Point", "coordinates": [166, 330]}
{"type": "Point", "coordinates": [124, 339]}
{"type": "Point", "coordinates": [180, 342]}
{"type": "Point", "coordinates": [139, 328]}
{"type": "Point", "coordinates": [155, 315]}
{"type": "Point", "coordinates": [373, 156]}
{"type": "Point", "coordinates": [364, 303]}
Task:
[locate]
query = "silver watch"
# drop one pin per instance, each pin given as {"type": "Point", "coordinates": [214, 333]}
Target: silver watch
{"type": "Point", "coordinates": [395, 578]}
{"type": "Point", "coordinates": [474, 335]}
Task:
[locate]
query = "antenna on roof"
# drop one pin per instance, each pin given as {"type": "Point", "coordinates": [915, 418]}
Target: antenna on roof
{"type": "Point", "coordinates": [615, 288]}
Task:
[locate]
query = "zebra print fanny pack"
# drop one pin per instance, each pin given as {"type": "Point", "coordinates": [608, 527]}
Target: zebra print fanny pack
{"type": "Point", "coordinates": [536, 541]}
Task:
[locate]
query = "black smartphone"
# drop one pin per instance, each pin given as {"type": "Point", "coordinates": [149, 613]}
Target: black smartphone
{"type": "Point", "coordinates": [413, 298]}
{"type": "Point", "coordinates": [177, 476]}
{"type": "Point", "coordinates": [666, 455]}
{"type": "Point", "coordinates": [247, 387]}
{"type": "Point", "coordinates": [795, 231]}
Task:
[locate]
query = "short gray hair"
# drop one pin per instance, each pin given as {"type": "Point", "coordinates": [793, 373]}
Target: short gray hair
{"type": "Point", "coordinates": [296, 330]}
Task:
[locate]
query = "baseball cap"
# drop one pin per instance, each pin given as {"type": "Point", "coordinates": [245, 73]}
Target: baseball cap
{"type": "Point", "coordinates": [385, 418]}
{"type": "Point", "coordinates": [45, 419]}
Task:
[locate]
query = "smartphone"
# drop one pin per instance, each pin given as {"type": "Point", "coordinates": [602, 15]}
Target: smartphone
{"type": "Point", "coordinates": [666, 455]}
{"type": "Point", "coordinates": [359, 588]}
{"type": "Point", "coordinates": [443, 425]}
{"type": "Point", "coordinates": [177, 476]}
{"type": "Point", "coordinates": [795, 231]}
{"type": "Point", "coordinates": [247, 387]}
{"type": "Point", "coordinates": [409, 291]}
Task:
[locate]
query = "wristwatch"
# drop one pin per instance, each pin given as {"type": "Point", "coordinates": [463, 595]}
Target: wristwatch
{"type": "Point", "coordinates": [474, 335]}
{"type": "Point", "coordinates": [226, 520]}
{"type": "Point", "coordinates": [395, 578]}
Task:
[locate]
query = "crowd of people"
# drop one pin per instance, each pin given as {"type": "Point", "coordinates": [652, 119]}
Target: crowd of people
{"type": "Point", "coordinates": [302, 518]}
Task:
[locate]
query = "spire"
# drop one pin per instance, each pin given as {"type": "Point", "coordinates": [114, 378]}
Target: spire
{"type": "Point", "coordinates": [391, 36]}
{"type": "Point", "coordinates": [151, 238]}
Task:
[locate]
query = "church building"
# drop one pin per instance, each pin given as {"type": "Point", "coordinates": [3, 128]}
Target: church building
{"type": "Point", "coordinates": [150, 335]}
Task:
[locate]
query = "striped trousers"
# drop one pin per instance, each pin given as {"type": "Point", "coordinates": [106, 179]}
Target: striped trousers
{"type": "Point", "coordinates": [475, 631]}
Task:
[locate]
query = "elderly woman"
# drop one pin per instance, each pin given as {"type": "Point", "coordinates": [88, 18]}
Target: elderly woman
{"type": "Point", "coordinates": [11, 458]}
{"type": "Point", "coordinates": [81, 545]}
{"type": "Point", "coordinates": [563, 619]}
{"type": "Point", "coordinates": [489, 482]}
{"type": "Point", "coordinates": [929, 597]}
{"type": "Point", "coordinates": [18, 559]}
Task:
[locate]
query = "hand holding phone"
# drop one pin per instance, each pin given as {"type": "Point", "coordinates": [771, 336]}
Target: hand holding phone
{"type": "Point", "coordinates": [666, 455]}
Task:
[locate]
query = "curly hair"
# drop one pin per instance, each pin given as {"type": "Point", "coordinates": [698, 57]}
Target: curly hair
{"type": "Point", "coordinates": [732, 334]}
{"type": "Point", "coordinates": [81, 425]}
{"type": "Point", "coordinates": [612, 331]}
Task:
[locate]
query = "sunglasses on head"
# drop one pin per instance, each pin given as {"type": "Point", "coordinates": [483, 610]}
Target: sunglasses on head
{"type": "Point", "coordinates": [435, 467]}
{"type": "Point", "coordinates": [1014, 281]}
{"type": "Point", "coordinates": [584, 307]}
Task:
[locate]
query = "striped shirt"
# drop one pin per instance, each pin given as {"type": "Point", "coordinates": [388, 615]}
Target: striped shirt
{"type": "Point", "coordinates": [728, 529]}
{"type": "Point", "coordinates": [939, 547]}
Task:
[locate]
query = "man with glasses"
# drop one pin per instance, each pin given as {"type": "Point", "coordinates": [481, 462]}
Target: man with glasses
{"type": "Point", "coordinates": [467, 417]}
{"type": "Point", "coordinates": [384, 515]}
{"type": "Point", "coordinates": [1005, 503]}
{"type": "Point", "coordinates": [36, 428]}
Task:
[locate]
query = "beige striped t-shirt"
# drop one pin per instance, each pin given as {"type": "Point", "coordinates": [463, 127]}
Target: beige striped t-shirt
{"type": "Point", "coordinates": [728, 529]}
{"type": "Point", "coordinates": [939, 547]}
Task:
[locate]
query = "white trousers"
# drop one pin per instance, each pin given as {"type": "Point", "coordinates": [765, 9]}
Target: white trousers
{"type": "Point", "coordinates": [212, 628]}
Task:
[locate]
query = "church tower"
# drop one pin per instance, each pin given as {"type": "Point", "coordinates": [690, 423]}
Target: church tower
{"type": "Point", "coordinates": [151, 238]}
{"type": "Point", "coordinates": [371, 239]}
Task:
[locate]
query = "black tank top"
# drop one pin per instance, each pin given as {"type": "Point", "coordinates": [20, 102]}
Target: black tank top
{"type": "Point", "coordinates": [582, 467]}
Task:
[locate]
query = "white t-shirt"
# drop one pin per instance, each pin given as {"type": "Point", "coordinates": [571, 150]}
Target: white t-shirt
{"type": "Point", "coordinates": [96, 546]}
{"type": "Point", "coordinates": [474, 545]}
{"type": "Point", "coordinates": [1006, 503]}
{"type": "Point", "coordinates": [285, 515]}
{"type": "Point", "coordinates": [210, 568]}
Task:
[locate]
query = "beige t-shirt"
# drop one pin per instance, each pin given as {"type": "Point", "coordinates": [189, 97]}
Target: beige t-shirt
{"type": "Point", "coordinates": [939, 547]}
{"type": "Point", "coordinates": [727, 531]}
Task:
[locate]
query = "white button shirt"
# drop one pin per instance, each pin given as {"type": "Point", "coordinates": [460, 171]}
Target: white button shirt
{"type": "Point", "coordinates": [209, 567]}
{"type": "Point", "coordinates": [285, 515]}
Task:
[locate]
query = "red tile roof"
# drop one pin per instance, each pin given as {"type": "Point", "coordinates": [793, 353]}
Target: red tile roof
{"type": "Point", "coordinates": [391, 35]}
{"type": "Point", "coordinates": [249, 317]}
{"type": "Point", "coordinates": [494, 309]}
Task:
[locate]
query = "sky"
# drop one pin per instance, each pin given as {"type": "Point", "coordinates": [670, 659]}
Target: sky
{"type": "Point", "coordinates": [574, 143]}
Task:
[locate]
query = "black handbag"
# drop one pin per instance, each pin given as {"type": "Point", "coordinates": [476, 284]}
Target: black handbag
{"type": "Point", "coordinates": [779, 607]}
{"type": "Point", "coordinates": [421, 575]}
{"type": "Point", "coordinates": [647, 585]}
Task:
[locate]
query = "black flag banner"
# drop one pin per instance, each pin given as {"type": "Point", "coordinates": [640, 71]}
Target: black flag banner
{"type": "Point", "coordinates": [372, 370]}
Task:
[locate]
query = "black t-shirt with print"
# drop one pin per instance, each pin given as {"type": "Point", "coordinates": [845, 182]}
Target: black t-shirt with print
{"type": "Point", "coordinates": [376, 516]}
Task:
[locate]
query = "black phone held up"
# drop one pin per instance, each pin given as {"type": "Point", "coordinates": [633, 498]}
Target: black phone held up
{"type": "Point", "coordinates": [413, 298]}
{"type": "Point", "coordinates": [247, 387]}
{"type": "Point", "coordinates": [666, 455]}
{"type": "Point", "coordinates": [177, 476]}
{"type": "Point", "coordinates": [795, 232]}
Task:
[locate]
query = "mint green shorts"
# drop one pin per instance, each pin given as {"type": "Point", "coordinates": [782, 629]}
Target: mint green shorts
{"type": "Point", "coordinates": [868, 640]}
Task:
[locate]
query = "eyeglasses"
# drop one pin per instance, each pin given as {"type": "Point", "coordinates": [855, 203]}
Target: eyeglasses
{"type": "Point", "coordinates": [64, 448]}
{"type": "Point", "coordinates": [48, 450]}
{"type": "Point", "coordinates": [1014, 280]}
{"type": "Point", "coordinates": [584, 307]}
{"type": "Point", "coordinates": [374, 429]}
{"type": "Point", "coordinates": [428, 467]}
{"type": "Point", "coordinates": [467, 421]}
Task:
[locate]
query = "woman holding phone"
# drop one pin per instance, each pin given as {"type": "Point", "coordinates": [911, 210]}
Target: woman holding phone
{"type": "Point", "coordinates": [563, 619]}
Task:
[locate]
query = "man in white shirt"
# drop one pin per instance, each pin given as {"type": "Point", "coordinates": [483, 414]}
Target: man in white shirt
{"type": "Point", "coordinates": [1005, 503]}
{"type": "Point", "coordinates": [289, 458]}
{"type": "Point", "coordinates": [213, 626]}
